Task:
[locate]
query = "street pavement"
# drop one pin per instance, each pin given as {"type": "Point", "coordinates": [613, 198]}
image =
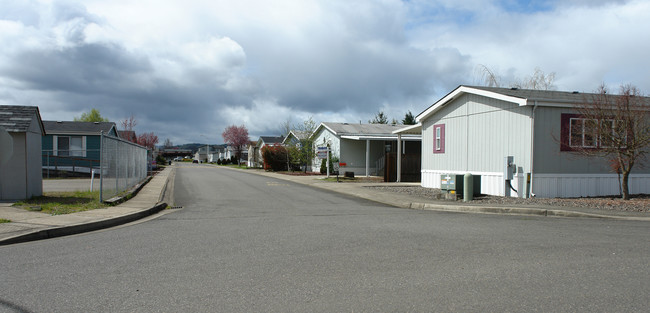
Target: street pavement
{"type": "Point", "coordinates": [242, 242]}
{"type": "Point", "coordinates": [157, 195]}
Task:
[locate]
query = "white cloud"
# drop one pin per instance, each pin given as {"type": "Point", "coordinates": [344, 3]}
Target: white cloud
{"type": "Point", "coordinates": [195, 67]}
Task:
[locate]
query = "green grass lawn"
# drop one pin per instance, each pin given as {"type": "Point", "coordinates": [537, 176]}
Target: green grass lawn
{"type": "Point", "coordinates": [56, 203]}
{"type": "Point", "coordinates": [243, 166]}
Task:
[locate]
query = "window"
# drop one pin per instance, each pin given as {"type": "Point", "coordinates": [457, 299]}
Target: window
{"type": "Point", "coordinates": [578, 132]}
{"type": "Point", "coordinates": [439, 138]}
{"type": "Point", "coordinates": [70, 146]}
{"type": "Point", "coordinates": [63, 146]}
{"type": "Point", "coordinates": [584, 133]}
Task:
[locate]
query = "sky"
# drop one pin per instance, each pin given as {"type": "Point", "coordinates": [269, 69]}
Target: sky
{"type": "Point", "coordinates": [188, 69]}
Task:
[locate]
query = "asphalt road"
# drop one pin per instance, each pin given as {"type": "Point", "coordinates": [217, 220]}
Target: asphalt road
{"type": "Point", "coordinates": [248, 243]}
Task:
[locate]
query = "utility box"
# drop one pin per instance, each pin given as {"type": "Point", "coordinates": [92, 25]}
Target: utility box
{"type": "Point", "coordinates": [453, 183]}
{"type": "Point", "coordinates": [448, 182]}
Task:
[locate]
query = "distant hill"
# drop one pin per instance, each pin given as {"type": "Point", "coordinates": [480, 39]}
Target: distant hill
{"type": "Point", "coordinates": [195, 146]}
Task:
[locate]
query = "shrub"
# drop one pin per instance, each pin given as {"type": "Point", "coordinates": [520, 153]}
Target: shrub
{"type": "Point", "coordinates": [323, 165]}
{"type": "Point", "coordinates": [275, 157]}
{"type": "Point", "coordinates": [160, 160]}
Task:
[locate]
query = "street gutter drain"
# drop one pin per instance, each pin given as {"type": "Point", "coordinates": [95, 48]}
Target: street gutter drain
{"type": "Point", "coordinates": [176, 207]}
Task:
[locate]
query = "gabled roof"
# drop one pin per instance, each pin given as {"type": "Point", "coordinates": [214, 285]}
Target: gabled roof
{"type": "Point", "coordinates": [269, 140]}
{"type": "Point", "coordinates": [360, 129]}
{"type": "Point", "coordinates": [78, 128]}
{"type": "Point", "coordinates": [298, 134]}
{"type": "Point", "coordinates": [18, 118]}
{"type": "Point", "coordinates": [127, 135]}
{"type": "Point", "coordinates": [522, 97]}
{"type": "Point", "coordinates": [363, 131]}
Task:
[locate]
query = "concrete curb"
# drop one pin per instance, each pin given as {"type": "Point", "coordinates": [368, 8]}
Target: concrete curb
{"type": "Point", "coordinates": [452, 207]}
{"type": "Point", "coordinates": [518, 211]}
{"type": "Point", "coordinates": [84, 227]}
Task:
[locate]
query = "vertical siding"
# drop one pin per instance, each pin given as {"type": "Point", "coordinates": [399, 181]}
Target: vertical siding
{"type": "Point", "coordinates": [586, 185]}
{"type": "Point", "coordinates": [479, 132]}
{"type": "Point", "coordinates": [13, 181]}
{"type": "Point", "coordinates": [34, 161]}
{"type": "Point", "coordinates": [548, 157]}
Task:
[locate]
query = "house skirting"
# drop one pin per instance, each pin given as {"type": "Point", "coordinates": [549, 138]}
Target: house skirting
{"type": "Point", "coordinates": [549, 185]}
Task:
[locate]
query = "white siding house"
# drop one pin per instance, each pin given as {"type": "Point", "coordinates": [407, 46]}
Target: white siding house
{"type": "Point", "coordinates": [472, 129]}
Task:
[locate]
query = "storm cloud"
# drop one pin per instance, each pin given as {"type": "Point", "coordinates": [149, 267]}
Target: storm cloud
{"type": "Point", "coordinates": [188, 70]}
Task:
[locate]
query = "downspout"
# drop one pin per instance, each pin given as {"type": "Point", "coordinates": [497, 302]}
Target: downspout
{"type": "Point", "coordinates": [532, 149]}
{"type": "Point", "coordinates": [399, 158]}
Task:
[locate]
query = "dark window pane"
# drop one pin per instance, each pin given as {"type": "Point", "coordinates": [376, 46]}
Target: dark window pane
{"type": "Point", "coordinates": [63, 146]}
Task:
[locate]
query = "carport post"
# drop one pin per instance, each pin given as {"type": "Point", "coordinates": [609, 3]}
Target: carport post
{"type": "Point", "coordinates": [399, 157]}
{"type": "Point", "coordinates": [367, 157]}
{"type": "Point", "coordinates": [101, 166]}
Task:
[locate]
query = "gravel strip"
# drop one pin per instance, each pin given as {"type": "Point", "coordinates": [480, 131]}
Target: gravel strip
{"type": "Point", "coordinates": [638, 203]}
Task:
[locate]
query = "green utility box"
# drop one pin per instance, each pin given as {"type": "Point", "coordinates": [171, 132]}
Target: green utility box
{"type": "Point", "coordinates": [453, 183]}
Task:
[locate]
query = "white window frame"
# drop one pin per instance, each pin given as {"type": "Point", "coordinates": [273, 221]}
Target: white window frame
{"type": "Point", "coordinates": [598, 138]}
{"type": "Point", "coordinates": [55, 146]}
{"type": "Point", "coordinates": [438, 135]}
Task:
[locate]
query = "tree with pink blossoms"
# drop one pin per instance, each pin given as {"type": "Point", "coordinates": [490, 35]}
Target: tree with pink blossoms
{"type": "Point", "coordinates": [237, 138]}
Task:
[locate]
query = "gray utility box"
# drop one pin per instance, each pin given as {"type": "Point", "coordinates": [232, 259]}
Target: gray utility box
{"type": "Point", "coordinates": [453, 183]}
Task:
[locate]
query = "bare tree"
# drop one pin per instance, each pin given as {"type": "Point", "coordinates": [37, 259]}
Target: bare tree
{"type": "Point", "coordinates": [168, 143]}
{"type": "Point", "coordinates": [128, 123]}
{"type": "Point", "coordinates": [128, 131]}
{"type": "Point", "coordinates": [488, 77]}
{"type": "Point", "coordinates": [538, 81]}
{"type": "Point", "coordinates": [285, 127]}
{"type": "Point", "coordinates": [614, 127]}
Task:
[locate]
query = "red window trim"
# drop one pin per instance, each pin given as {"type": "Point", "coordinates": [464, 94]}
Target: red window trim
{"type": "Point", "coordinates": [565, 134]}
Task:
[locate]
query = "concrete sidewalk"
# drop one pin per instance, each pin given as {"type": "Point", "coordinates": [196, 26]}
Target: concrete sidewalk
{"type": "Point", "coordinates": [28, 226]}
{"type": "Point", "coordinates": [365, 191]}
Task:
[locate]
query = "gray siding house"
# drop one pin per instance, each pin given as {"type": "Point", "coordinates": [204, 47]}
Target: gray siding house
{"type": "Point", "coordinates": [472, 129]}
{"type": "Point", "coordinates": [362, 147]}
{"type": "Point", "coordinates": [21, 131]}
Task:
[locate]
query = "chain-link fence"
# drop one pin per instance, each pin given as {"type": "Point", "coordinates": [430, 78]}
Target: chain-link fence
{"type": "Point", "coordinates": [71, 162]}
{"type": "Point", "coordinates": [123, 165]}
